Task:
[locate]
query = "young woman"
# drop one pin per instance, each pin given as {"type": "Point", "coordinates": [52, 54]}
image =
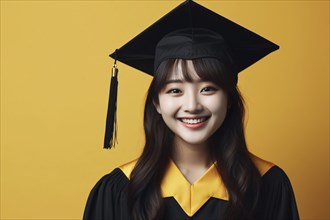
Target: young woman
{"type": "Point", "coordinates": [195, 163]}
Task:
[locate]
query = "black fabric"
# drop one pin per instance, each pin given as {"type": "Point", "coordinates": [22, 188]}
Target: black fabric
{"type": "Point", "coordinates": [108, 200]}
{"type": "Point", "coordinates": [246, 46]}
{"type": "Point", "coordinates": [213, 209]}
{"type": "Point", "coordinates": [277, 198]}
{"type": "Point", "coordinates": [192, 44]}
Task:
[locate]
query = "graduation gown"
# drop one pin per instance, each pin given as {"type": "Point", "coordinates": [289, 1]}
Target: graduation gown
{"type": "Point", "coordinates": [206, 199]}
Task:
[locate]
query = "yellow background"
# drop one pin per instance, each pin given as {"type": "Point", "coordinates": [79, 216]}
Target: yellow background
{"type": "Point", "coordinates": [54, 91]}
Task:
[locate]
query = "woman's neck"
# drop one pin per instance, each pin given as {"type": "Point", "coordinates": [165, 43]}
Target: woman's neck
{"type": "Point", "coordinates": [192, 159]}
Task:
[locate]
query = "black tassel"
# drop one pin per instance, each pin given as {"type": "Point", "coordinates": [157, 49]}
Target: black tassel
{"type": "Point", "coordinates": [110, 138]}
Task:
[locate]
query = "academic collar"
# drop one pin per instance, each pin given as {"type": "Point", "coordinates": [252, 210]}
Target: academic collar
{"type": "Point", "coordinates": [191, 197]}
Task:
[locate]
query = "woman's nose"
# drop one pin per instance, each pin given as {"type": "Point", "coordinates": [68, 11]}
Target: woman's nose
{"type": "Point", "coordinates": [192, 103]}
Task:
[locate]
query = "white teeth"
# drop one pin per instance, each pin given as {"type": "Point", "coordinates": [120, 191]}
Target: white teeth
{"type": "Point", "coordinates": [193, 121]}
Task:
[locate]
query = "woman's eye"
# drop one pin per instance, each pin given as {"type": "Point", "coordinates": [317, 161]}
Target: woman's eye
{"type": "Point", "coordinates": [209, 89]}
{"type": "Point", "coordinates": [174, 91]}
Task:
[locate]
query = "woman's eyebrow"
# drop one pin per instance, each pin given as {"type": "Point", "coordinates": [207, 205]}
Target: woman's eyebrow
{"type": "Point", "coordinates": [182, 81]}
{"type": "Point", "coordinates": [173, 81]}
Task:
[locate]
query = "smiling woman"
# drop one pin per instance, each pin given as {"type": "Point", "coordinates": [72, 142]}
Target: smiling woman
{"type": "Point", "coordinates": [195, 163]}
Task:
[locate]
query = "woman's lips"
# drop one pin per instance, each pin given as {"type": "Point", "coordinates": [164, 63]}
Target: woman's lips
{"type": "Point", "coordinates": [194, 122]}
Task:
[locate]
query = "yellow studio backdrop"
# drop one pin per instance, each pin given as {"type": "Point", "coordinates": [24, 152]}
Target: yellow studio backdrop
{"type": "Point", "coordinates": [55, 77]}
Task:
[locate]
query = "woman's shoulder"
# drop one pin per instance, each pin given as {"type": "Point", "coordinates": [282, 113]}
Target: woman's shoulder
{"type": "Point", "coordinates": [128, 167]}
{"type": "Point", "coordinates": [115, 179]}
{"type": "Point", "coordinates": [118, 176]}
{"type": "Point", "coordinates": [276, 177]}
{"type": "Point", "coordinates": [262, 165]}
{"type": "Point", "coordinates": [268, 170]}
{"type": "Point", "coordinates": [107, 199]}
{"type": "Point", "coordinates": [277, 200]}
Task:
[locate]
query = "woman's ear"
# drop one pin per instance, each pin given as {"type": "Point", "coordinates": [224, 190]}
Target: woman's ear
{"type": "Point", "coordinates": [157, 107]}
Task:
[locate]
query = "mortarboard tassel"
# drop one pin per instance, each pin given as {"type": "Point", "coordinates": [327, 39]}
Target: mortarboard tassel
{"type": "Point", "coordinates": [110, 138]}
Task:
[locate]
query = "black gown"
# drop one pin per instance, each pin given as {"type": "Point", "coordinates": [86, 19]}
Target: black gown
{"type": "Point", "coordinates": [206, 199]}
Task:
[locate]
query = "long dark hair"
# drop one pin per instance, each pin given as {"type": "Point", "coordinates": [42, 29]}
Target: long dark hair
{"type": "Point", "coordinates": [227, 145]}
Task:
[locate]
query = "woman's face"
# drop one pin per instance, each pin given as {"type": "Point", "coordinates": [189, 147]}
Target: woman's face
{"type": "Point", "coordinates": [192, 110]}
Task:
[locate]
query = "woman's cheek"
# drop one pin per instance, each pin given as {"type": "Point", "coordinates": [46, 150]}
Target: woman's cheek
{"type": "Point", "coordinates": [169, 105]}
{"type": "Point", "coordinates": [217, 104]}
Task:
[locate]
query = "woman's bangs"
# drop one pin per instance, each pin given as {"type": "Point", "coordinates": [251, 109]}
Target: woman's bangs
{"type": "Point", "coordinates": [211, 69]}
{"type": "Point", "coordinates": [165, 69]}
{"type": "Point", "coordinates": [207, 69]}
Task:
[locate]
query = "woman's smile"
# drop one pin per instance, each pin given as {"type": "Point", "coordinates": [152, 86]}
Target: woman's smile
{"type": "Point", "coordinates": [194, 123]}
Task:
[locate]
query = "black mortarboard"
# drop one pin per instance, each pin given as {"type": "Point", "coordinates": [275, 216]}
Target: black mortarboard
{"type": "Point", "coordinates": [189, 31]}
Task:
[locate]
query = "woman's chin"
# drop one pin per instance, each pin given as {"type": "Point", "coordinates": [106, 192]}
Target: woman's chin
{"type": "Point", "coordinates": [192, 140]}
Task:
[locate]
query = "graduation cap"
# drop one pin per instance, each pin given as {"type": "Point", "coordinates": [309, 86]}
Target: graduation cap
{"type": "Point", "coordinates": [189, 31]}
